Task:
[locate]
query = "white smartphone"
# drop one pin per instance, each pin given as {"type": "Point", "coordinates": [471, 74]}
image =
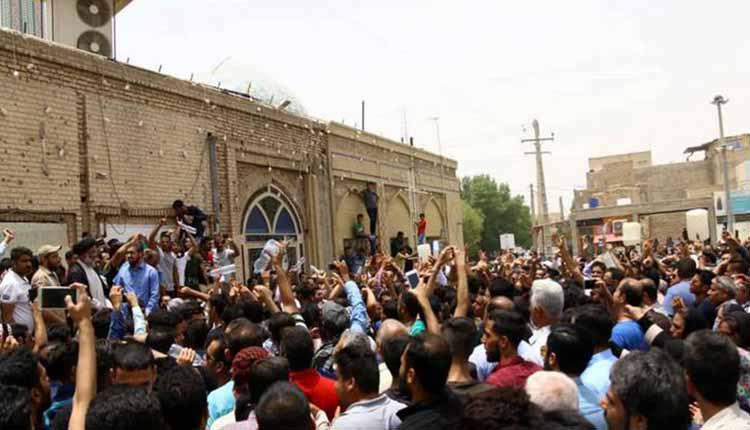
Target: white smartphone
{"type": "Point", "coordinates": [413, 278]}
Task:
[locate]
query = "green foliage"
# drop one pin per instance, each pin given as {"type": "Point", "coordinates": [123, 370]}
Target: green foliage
{"type": "Point", "coordinates": [473, 226]}
{"type": "Point", "coordinates": [502, 212]}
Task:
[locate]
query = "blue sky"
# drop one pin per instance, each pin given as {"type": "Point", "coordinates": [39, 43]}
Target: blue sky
{"type": "Point", "coordinates": [605, 76]}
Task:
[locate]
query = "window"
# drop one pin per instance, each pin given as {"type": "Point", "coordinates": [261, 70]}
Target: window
{"type": "Point", "coordinates": [270, 217]}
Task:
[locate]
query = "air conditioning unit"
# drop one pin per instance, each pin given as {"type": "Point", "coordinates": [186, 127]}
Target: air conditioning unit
{"type": "Point", "coordinates": [84, 24]}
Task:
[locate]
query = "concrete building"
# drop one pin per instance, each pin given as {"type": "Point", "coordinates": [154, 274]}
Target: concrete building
{"type": "Point", "coordinates": [93, 145]}
{"type": "Point", "coordinates": [628, 187]}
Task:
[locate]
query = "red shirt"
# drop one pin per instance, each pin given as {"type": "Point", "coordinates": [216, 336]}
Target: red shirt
{"type": "Point", "coordinates": [512, 373]}
{"type": "Point", "coordinates": [422, 227]}
{"type": "Point", "coordinates": [320, 391]}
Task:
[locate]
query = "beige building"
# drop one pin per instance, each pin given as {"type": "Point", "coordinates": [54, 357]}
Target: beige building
{"type": "Point", "coordinates": [93, 145]}
{"type": "Point", "coordinates": [628, 187]}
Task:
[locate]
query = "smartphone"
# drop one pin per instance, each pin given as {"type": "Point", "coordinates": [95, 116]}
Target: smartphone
{"type": "Point", "coordinates": [413, 278]}
{"type": "Point", "coordinates": [54, 297]}
{"type": "Point", "coordinates": [589, 284]}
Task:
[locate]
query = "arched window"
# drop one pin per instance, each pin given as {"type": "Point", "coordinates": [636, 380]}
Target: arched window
{"type": "Point", "coordinates": [270, 215]}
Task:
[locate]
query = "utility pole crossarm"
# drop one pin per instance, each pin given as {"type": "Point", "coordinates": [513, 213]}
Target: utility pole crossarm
{"type": "Point", "coordinates": [541, 139]}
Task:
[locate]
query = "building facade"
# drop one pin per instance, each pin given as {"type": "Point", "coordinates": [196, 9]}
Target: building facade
{"type": "Point", "coordinates": [93, 145]}
{"type": "Point", "coordinates": [628, 187]}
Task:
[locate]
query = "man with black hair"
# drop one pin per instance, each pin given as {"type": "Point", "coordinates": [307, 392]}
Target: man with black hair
{"type": "Point", "coordinates": [217, 369]}
{"type": "Point", "coordinates": [712, 366]}
{"type": "Point", "coordinates": [595, 319]}
{"type": "Point", "coordinates": [699, 286]}
{"type": "Point", "coordinates": [140, 278]}
{"type": "Point", "coordinates": [648, 392]}
{"type": "Point", "coordinates": [686, 268]}
{"type": "Point", "coordinates": [461, 333]}
{"type": "Point", "coordinates": [284, 407]}
{"type": "Point", "coordinates": [191, 216]}
{"type": "Point", "coordinates": [167, 266]}
{"type": "Point", "coordinates": [14, 289]}
{"type": "Point", "coordinates": [60, 363]}
{"type": "Point", "coordinates": [182, 396]}
{"type": "Point", "coordinates": [627, 334]}
{"type": "Point", "coordinates": [15, 408]}
{"type": "Point", "coordinates": [503, 332]}
{"type": "Point", "coordinates": [160, 338]}
{"type": "Point", "coordinates": [391, 349]}
{"type": "Point", "coordinates": [409, 310]}
{"type": "Point", "coordinates": [238, 335]}
{"type": "Point", "coordinates": [133, 364]}
{"type": "Point", "coordinates": [569, 349]}
{"type": "Point", "coordinates": [357, 380]}
{"type": "Point", "coordinates": [21, 368]}
{"type": "Point", "coordinates": [297, 348]}
{"type": "Point", "coordinates": [425, 364]}
{"type": "Point", "coordinates": [479, 356]}
{"type": "Point", "coordinates": [125, 407]}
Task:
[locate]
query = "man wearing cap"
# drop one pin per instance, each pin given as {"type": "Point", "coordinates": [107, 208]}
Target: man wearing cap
{"type": "Point", "coordinates": [83, 271]}
{"type": "Point", "coordinates": [49, 261]}
{"type": "Point", "coordinates": [334, 321]}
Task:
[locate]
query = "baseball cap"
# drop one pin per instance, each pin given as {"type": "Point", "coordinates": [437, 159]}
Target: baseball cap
{"type": "Point", "coordinates": [335, 314]}
{"type": "Point", "coordinates": [48, 249]}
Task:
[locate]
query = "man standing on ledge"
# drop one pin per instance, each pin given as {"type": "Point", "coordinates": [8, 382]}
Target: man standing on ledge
{"type": "Point", "coordinates": [371, 204]}
{"type": "Point", "coordinates": [421, 229]}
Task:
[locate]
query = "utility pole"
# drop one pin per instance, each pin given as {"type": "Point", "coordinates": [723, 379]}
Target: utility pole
{"type": "Point", "coordinates": [533, 215]}
{"type": "Point", "coordinates": [442, 169]}
{"type": "Point", "coordinates": [541, 188]}
{"type": "Point", "coordinates": [562, 210]}
{"type": "Point", "coordinates": [363, 115]}
{"type": "Point", "coordinates": [718, 101]}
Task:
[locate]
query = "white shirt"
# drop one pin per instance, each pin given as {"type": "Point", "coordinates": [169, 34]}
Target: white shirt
{"type": "Point", "coordinates": [532, 350]}
{"type": "Point", "coordinates": [729, 418]}
{"type": "Point", "coordinates": [96, 286]}
{"type": "Point", "coordinates": [14, 289]}
{"type": "Point", "coordinates": [181, 263]}
{"type": "Point", "coordinates": [224, 257]}
{"type": "Point", "coordinates": [167, 261]}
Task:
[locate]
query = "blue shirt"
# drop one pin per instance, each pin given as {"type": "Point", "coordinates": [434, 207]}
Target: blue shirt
{"type": "Point", "coordinates": [596, 375]}
{"type": "Point", "coordinates": [680, 289]}
{"type": "Point", "coordinates": [359, 320]}
{"type": "Point", "coordinates": [220, 402]}
{"type": "Point", "coordinates": [143, 280]}
{"type": "Point", "coordinates": [588, 406]}
{"type": "Point", "coordinates": [628, 335]}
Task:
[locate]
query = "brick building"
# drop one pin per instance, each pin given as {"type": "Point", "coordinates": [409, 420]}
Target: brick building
{"type": "Point", "coordinates": [628, 187]}
{"type": "Point", "coordinates": [93, 145]}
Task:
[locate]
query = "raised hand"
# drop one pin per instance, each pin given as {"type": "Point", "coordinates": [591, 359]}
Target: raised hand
{"type": "Point", "coordinates": [186, 357]}
{"type": "Point", "coordinates": [81, 309]}
{"type": "Point", "coordinates": [115, 296]}
{"type": "Point", "coordinates": [9, 236]}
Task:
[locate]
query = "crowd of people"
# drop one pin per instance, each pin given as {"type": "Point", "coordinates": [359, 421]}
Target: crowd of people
{"type": "Point", "coordinates": [154, 335]}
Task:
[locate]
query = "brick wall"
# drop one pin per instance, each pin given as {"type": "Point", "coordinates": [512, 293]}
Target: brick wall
{"type": "Point", "coordinates": [92, 141]}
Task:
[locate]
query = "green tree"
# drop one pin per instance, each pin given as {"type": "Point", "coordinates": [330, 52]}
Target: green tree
{"type": "Point", "coordinates": [502, 212]}
{"type": "Point", "coordinates": [473, 225]}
